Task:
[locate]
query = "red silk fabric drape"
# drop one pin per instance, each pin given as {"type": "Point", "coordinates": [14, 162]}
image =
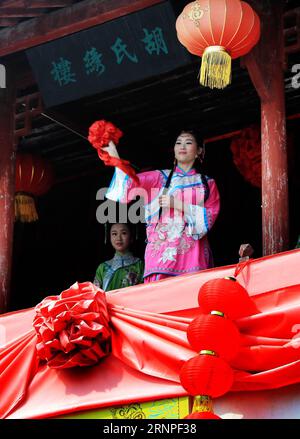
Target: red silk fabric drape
{"type": "Point", "coordinates": [149, 344]}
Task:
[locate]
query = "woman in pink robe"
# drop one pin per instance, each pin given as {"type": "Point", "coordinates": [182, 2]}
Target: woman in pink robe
{"type": "Point", "coordinates": [181, 206]}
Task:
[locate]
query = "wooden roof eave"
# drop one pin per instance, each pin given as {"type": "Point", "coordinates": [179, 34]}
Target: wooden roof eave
{"type": "Point", "coordinates": [66, 21]}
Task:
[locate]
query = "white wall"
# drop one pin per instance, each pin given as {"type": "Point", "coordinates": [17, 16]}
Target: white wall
{"type": "Point", "coordinates": [281, 403]}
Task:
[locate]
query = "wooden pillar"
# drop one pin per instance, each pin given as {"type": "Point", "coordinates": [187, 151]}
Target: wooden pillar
{"type": "Point", "coordinates": [7, 186]}
{"type": "Point", "coordinates": [265, 65]}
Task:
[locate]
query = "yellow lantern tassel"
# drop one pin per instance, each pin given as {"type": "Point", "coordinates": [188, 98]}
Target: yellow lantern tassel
{"type": "Point", "coordinates": [25, 210]}
{"type": "Point", "coordinates": [202, 408]}
{"type": "Point", "coordinates": [202, 403]}
{"type": "Point", "coordinates": [215, 69]}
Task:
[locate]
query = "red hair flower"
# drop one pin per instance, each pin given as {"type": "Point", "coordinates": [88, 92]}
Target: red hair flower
{"type": "Point", "coordinates": [73, 328]}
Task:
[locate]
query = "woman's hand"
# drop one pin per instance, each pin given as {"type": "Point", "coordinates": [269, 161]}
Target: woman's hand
{"type": "Point", "coordinates": [170, 201]}
{"type": "Point", "coordinates": [166, 201]}
{"type": "Point", "coordinates": [112, 149]}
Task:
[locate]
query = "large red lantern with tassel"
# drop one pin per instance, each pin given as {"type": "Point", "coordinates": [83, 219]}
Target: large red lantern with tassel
{"type": "Point", "coordinates": [215, 333]}
{"type": "Point", "coordinates": [34, 177]}
{"type": "Point", "coordinates": [206, 375]}
{"type": "Point", "coordinates": [218, 31]}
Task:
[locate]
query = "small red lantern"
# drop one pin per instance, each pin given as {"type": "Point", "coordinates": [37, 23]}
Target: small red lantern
{"type": "Point", "coordinates": [225, 295]}
{"type": "Point", "coordinates": [202, 415]}
{"type": "Point", "coordinates": [206, 375]}
{"type": "Point", "coordinates": [215, 333]}
{"type": "Point", "coordinates": [34, 177]}
{"type": "Point", "coordinates": [218, 31]}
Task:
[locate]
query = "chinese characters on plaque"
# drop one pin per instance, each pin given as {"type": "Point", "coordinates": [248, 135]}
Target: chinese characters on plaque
{"type": "Point", "coordinates": [92, 60]}
{"type": "Point", "coordinates": [116, 53]}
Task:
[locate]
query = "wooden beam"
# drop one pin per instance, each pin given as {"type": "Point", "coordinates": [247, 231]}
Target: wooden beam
{"type": "Point", "coordinates": [265, 66]}
{"type": "Point", "coordinates": [292, 33]}
{"type": "Point", "coordinates": [20, 12]}
{"type": "Point", "coordinates": [7, 186]}
{"type": "Point", "coordinates": [237, 132]}
{"type": "Point", "coordinates": [256, 74]}
{"type": "Point", "coordinates": [47, 3]}
{"type": "Point", "coordinates": [4, 22]}
{"type": "Point", "coordinates": [66, 21]}
{"type": "Point", "coordinates": [258, 5]}
{"type": "Point", "coordinates": [25, 114]}
{"type": "Point", "coordinates": [36, 3]}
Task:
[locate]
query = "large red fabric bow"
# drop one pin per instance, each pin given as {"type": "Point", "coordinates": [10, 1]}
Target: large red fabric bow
{"type": "Point", "coordinates": [73, 328]}
{"type": "Point", "coordinates": [101, 133]}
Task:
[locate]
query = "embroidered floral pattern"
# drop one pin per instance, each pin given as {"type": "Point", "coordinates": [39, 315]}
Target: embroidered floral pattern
{"type": "Point", "coordinates": [130, 279]}
{"type": "Point", "coordinates": [156, 246]}
{"type": "Point", "coordinates": [169, 239]}
{"type": "Point", "coordinates": [173, 229]}
{"type": "Point", "coordinates": [185, 245]}
{"type": "Point", "coordinates": [168, 255]}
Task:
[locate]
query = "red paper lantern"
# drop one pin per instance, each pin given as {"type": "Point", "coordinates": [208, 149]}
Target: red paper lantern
{"type": "Point", "coordinates": [218, 31]}
{"type": "Point", "coordinates": [34, 177]}
{"type": "Point", "coordinates": [246, 152]}
{"type": "Point", "coordinates": [214, 333]}
{"type": "Point", "coordinates": [225, 295]}
{"type": "Point", "coordinates": [206, 375]}
{"type": "Point", "coordinates": [202, 415]}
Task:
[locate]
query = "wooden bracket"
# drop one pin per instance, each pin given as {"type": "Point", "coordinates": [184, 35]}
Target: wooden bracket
{"type": "Point", "coordinates": [26, 108]}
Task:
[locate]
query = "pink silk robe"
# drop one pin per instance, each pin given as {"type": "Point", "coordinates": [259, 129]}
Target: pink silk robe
{"type": "Point", "coordinates": [177, 242]}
